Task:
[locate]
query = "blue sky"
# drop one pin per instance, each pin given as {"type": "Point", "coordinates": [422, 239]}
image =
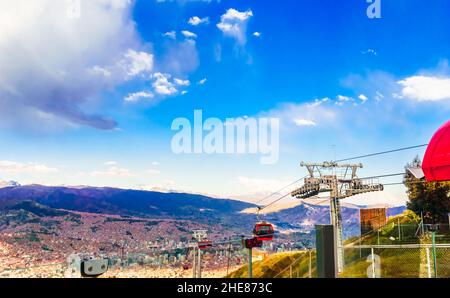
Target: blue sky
{"type": "Point", "coordinates": [89, 99]}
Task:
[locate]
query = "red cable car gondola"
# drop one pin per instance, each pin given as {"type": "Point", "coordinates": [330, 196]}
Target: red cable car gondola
{"type": "Point", "coordinates": [264, 231]}
{"type": "Point", "coordinates": [204, 244]}
{"type": "Point", "coordinates": [436, 162]}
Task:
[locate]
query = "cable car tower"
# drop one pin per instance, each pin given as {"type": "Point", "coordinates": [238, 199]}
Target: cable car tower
{"type": "Point", "coordinates": [341, 181]}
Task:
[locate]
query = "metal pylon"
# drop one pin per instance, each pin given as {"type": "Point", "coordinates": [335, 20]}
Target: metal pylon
{"type": "Point", "coordinates": [336, 221]}
{"type": "Point", "coordinates": [339, 185]}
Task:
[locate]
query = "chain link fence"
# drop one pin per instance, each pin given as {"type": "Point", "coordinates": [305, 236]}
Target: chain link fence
{"type": "Point", "coordinates": [398, 234]}
{"type": "Point", "coordinates": [397, 261]}
{"type": "Point", "coordinates": [302, 267]}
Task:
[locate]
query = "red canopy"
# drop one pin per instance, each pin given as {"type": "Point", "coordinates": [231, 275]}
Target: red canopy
{"type": "Point", "coordinates": [436, 162]}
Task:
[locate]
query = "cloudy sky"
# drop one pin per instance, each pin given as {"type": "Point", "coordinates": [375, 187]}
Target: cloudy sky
{"type": "Point", "coordinates": [89, 89]}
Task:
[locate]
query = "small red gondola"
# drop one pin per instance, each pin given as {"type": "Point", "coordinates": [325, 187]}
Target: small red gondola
{"type": "Point", "coordinates": [204, 244]}
{"type": "Point", "coordinates": [264, 231]}
{"type": "Point", "coordinates": [252, 243]}
{"type": "Point", "coordinates": [436, 162]}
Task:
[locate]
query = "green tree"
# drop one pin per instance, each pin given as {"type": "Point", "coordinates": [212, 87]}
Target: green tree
{"type": "Point", "coordinates": [431, 199]}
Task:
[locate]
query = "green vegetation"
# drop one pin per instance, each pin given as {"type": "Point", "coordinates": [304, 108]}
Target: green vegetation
{"type": "Point", "coordinates": [30, 237]}
{"type": "Point", "coordinates": [400, 229]}
{"type": "Point", "coordinates": [38, 209]}
{"type": "Point", "coordinates": [404, 262]}
{"type": "Point", "coordinates": [152, 223]}
{"type": "Point", "coordinates": [432, 199]}
{"type": "Point", "coordinates": [124, 219]}
{"type": "Point", "coordinates": [273, 266]}
{"type": "Point", "coordinates": [46, 248]}
{"type": "Point", "coordinates": [75, 218]}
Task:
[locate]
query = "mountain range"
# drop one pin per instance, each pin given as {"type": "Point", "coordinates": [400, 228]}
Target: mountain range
{"type": "Point", "coordinates": [150, 204]}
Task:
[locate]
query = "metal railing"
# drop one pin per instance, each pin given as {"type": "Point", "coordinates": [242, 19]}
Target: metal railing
{"type": "Point", "coordinates": [397, 261]}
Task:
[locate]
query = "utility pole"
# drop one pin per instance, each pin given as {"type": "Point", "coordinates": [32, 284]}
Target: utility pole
{"type": "Point", "coordinates": [433, 245]}
{"type": "Point", "coordinates": [194, 263]}
{"type": "Point", "coordinates": [198, 235]}
{"type": "Point", "coordinates": [250, 261]}
{"type": "Point", "coordinates": [341, 181]}
{"type": "Point", "coordinates": [199, 263]}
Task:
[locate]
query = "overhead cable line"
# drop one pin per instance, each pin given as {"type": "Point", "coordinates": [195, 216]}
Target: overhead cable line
{"type": "Point", "coordinates": [273, 202]}
{"type": "Point", "coordinates": [278, 191]}
{"type": "Point", "coordinates": [383, 176]}
{"type": "Point", "coordinates": [381, 153]}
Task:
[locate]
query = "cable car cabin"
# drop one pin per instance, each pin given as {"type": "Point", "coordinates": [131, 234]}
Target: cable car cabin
{"type": "Point", "coordinates": [264, 231]}
{"type": "Point", "coordinates": [205, 244]}
{"type": "Point", "coordinates": [252, 243]}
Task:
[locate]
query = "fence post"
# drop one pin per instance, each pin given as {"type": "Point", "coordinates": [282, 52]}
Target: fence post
{"type": "Point", "coordinates": [428, 262]}
{"type": "Point", "coordinates": [378, 237]}
{"type": "Point", "coordinates": [199, 263]}
{"type": "Point", "coordinates": [360, 250]}
{"type": "Point", "coordinates": [194, 265]}
{"type": "Point", "coordinates": [310, 265]}
{"type": "Point", "coordinates": [290, 271]}
{"type": "Point", "coordinates": [250, 269]}
{"type": "Point", "coordinates": [399, 231]}
{"type": "Point", "coordinates": [373, 262]}
{"type": "Point", "coordinates": [433, 241]}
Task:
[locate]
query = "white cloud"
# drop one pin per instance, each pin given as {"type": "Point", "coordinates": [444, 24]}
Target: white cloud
{"type": "Point", "coordinates": [257, 34]}
{"type": "Point", "coordinates": [70, 61]}
{"type": "Point", "coordinates": [162, 85]}
{"type": "Point", "coordinates": [379, 199]}
{"type": "Point", "coordinates": [110, 163]}
{"type": "Point", "coordinates": [370, 51]}
{"type": "Point", "coordinates": [426, 88]}
{"type": "Point", "coordinates": [171, 34]}
{"type": "Point", "coordinates": [113, 171]}
{"type": "Point", "coordinates": [203, 81]}
{"type": "Point", "coordinates": [259, 185]}
{"type": "Point", "coordinates": [97, 70]}
{"type": "Point", "coordinates": [132, 64]}
{"type": "Point", "coordinates": [234, 24]}
{"type": "Point", "coordinates": [180, 58]}
{"type": "Point", "coordinates": [379, 96]}
{"type": "Point", "coordinates": [195, 21]}
{"type": "Point", "coordinates": [304, 122]}
{"type": "Point", "coordinates": [189, 34]}
{"type": "Point", "coordinates": [138, 62]}
{"type": "Point", "coordinates": [12, 167]}
{"type": "Point", "coordinates": [165, 186]}
{"type": "Point", "coordinates": [363, 98]}
{"type": "Point", "coordinates": [292, 115]}
{"type": "Point", "coordinates": [153, 172]}
{"type": "Point", "coordinates": [182, 82]}
{"type": "Point", "coordinates": [344, 98]}
{"type": "Point", "coordinates": [133, 97]}
{"type": "Point", "coordinates": [318, 101]}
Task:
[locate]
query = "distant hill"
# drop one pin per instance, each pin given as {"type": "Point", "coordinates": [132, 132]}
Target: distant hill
{"type": "Point", "coordinates": [305, 216]}
{"type": "Point", "coordinates": [37, 209]}
{"type": "Point", "coordinates": [150, 204]}
{"type": "Point", "coordinates": [8, 184]}
{"type": "Point", "coordinates": [121, 201]}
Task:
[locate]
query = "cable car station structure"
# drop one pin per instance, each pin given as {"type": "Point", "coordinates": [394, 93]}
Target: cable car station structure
{"type": "Point", "coordinates": [341, 181]}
